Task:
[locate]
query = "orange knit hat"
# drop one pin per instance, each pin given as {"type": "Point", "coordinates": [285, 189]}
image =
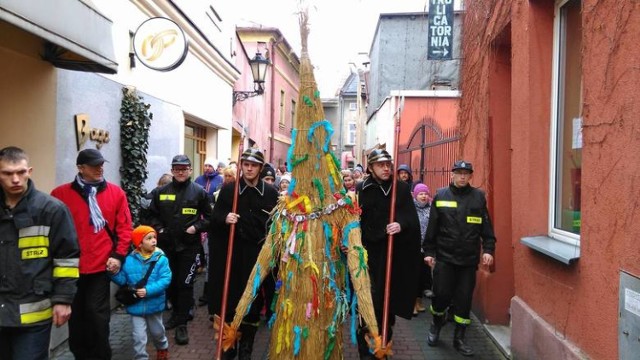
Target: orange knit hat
{"type": "Point", "coordinates": [139, 233]}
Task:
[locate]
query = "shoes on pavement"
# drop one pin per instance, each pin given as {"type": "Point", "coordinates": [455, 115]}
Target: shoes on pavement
{"type": "Point", "coordinates": [182, 335]}
{"type": "Point", "coordinates": [162, 354]}
{"type": "Point", "coordinates": [171, 323]}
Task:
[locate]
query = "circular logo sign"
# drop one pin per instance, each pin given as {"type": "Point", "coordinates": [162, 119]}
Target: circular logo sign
{"type": "Point", "coordinates": [160, 44]}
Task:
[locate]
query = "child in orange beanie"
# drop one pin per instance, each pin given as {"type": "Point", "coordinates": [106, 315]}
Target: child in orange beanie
{"type": "Point", "coordinates": [147, 312]}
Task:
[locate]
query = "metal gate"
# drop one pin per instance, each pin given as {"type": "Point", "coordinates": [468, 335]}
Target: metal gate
{"type": "Point", "coordinates": [430, 152]}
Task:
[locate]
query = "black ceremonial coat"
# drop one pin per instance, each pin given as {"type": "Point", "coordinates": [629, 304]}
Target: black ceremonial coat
{"type": "Point", "coordinates": [254, 207]}
{"type": "Point", "coordinates": [375, 200]}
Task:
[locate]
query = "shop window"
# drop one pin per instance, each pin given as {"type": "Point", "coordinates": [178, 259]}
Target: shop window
{"type": "Point", "coordinates": [293, 114]}
{"type": "Point", "coordinates": [195, 145]}
{"type": "Point", "coordinates": [566, 143]}
{"type": "Point", "coordinates": [351, 135]}
{"type": "Point", "coordinates": [281, 122]}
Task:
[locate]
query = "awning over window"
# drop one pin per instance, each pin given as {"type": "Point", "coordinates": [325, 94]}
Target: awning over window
{"type": "Point", "coordinates": [77, 36]}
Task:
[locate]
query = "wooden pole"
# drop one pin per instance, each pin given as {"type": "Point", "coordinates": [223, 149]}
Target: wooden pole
{"type": "Point", "coordinates": [392, 217]}
{"type": "Point", "coordinates": [232, 232]}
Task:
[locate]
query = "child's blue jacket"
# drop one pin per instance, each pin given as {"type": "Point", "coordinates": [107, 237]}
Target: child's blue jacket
{"type": "Point", "coordinates": [134, 269]}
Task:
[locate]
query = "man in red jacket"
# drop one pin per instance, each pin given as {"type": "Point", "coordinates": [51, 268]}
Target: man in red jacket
{"type": "Point", "coordinates": [103, 222]}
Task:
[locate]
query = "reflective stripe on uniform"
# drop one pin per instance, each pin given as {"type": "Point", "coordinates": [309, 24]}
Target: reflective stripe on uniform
{"type": "Point", "coordinates": [167, 197]}
{"type": "Point", "coordinates": [66, 272]}
{"type": "Point", "coordinates": [66, 268]}
{"type": "Point", "coordinates": [33, 236]}
{"type": "Point", "coordinates": [435, 312]}
{"type": "Point", "coordinates": [474, 220]}
{"type": "Point", "coordinates": [448, 204]}
{"type": "Point", "coordinates": [189, 211]}
{"type": "Point", "coordinates": [35, 312]}
{"type": "Point", "coordinates": [35, 253]}
{"type": "Point", "coordinates": [460, 320]}
{"type": "Point", "coordinates": [34, 231]}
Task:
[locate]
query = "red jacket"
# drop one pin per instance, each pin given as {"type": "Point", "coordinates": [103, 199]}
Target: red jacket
{"type": "Point", "coordinates": [96, 248]}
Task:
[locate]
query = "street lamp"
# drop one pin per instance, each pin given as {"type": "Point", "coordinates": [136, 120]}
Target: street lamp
{"type": "Point", "coordinates": [259, 71]}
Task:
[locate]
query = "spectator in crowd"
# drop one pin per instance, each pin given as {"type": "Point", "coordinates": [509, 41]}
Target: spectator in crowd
{"type": "Point", "coordinates": [39, 267]}
{"type": "Point", "coordinates": [422, 201]}
{"type": "Point", "coordinates": [102, 220]}
{"type": "Point", "coordinates": [348, 180]}
{"type": "Point", "coordinates": [211, 179]}
{"type": "Point", "coordinates": [405, 174]}
{"type": "Point", "coordinates": [285, 180]}
{"type": "Point", "coordinates": [146, 314]}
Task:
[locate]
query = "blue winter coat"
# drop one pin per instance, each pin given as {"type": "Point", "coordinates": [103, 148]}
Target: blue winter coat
{"type": "Point", "coordinates": [134, 269]}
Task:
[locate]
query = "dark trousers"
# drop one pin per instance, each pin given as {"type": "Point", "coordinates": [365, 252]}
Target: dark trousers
{"type": "Point", "coordinates": [183, 266]}
{"type": "Point", "coordinates": [25, 343]}
{"type": "Point", "coordinates": [453, 285]}
{"type": "Point", "coordinates": [90, 315]}
{"type": "Point", "coordinates": [426, 281]}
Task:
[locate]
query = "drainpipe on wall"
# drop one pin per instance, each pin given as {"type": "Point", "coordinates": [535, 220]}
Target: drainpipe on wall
{"type": "Point", "coordinates": [272, 107]}
{"type": "Point", "coordinates": [273, 43]}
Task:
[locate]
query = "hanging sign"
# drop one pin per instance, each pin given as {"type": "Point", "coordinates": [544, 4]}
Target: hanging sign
{"type": "Point", "coordinates": [440, 30]}
{"type": "Point", "coordinates": [160, 44]}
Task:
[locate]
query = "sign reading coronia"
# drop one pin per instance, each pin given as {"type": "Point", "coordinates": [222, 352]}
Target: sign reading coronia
{"type": "Point", "coordinates": [440, 30]}
{"type": "Point", "coordinates": [160, 44]}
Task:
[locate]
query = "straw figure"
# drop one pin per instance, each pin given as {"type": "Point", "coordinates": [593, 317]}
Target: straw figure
{"type": "Point", "coordinates": [314, 241]}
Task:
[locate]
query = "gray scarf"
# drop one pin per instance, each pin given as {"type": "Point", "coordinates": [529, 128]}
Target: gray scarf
{"type": "Point", "coordinates": [90, 190]}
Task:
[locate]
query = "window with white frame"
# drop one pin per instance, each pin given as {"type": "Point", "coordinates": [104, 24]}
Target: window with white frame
{"type": "Point", "coordinates": [566, 125]}
{"type": "Point", "coordinates": [353, 106]}
{"type": "Point", "coordinates": [351, 134]}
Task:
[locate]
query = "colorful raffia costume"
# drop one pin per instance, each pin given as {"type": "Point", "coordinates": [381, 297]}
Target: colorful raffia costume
{"type": "Point", "coordinates": [318, 286]}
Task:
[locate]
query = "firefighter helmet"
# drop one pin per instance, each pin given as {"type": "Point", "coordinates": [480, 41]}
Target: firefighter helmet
{"type": "Point", "coordinates": [254, 155]}
{"type": "Point", "coordinates": [378, 155]}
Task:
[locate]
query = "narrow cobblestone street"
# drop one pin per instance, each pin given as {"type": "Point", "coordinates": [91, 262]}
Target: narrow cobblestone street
{"type": "Point", "coordinates": [409, 340]}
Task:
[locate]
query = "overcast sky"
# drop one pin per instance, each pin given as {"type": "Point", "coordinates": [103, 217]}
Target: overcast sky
{"type": "Point", "coordinates": [340, 29]}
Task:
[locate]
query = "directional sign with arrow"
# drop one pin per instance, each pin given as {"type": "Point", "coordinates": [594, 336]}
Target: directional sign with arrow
{"type": "Point", "coordinates": [440, 30]}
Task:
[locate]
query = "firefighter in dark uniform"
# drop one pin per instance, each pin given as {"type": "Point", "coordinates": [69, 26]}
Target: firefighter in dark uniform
{"type": "Point", "coordinates": [459, 224]}
{"type": "Point", "coordinates": [256, 199]}
{"type": "Point", "coordinates": [374, 198]}
{"type": "Point", "coordinates": [39, 257]}
{"type": "Point", "coordinates": [180, 211]}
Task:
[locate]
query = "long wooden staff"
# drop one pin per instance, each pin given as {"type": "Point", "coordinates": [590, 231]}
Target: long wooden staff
{"type": "Point", "coordinates": [232, 232]}
{"type": "Point", "coordinates": [392, 217]}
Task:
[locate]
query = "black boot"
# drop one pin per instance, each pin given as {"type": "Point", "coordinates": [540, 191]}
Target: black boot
{"type": "Point", "coordinates": [434, 330]}
{"type": "Point", "coordinates": [245, 348]}
{"type": "Point", "coordinates": [229, 354]}
{"type": "Point", "coordinates": [458, 341]}
{"type": "Point", "coordinates": [182, 335]}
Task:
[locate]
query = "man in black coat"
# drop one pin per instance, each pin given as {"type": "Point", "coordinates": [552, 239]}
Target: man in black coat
{"type": "Point", "coordinates": [180, 212]}
{"type": "Point", "coordinates": [458, 224]}
{"type": "Point", "coordinates": [256, 199]}
{"type": "Point", "coordinates": [374, 198]}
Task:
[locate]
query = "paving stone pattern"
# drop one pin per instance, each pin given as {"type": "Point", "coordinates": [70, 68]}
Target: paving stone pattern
{"type": "Point", "coordinates": [409, 340]}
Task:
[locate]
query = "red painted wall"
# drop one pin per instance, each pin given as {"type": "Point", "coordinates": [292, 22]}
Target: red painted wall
{"type": "Point", "coordinates": [579, 301]}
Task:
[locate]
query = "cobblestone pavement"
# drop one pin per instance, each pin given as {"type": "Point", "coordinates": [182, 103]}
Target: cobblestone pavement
{"type": "Point", "coordinates": [409, 340]}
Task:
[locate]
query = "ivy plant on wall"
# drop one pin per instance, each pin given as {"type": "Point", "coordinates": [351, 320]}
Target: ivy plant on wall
{"type": "Point", "coordinates": [135, 121]}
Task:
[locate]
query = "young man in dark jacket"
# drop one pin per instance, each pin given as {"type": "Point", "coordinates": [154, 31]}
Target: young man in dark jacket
{"type": "Point", "coordinates": [374, 198]}
{"type": "Point", "coordinates": [458, 224]}
{"type": "Point", "coordinates": [180, 211]}
{"type": "Point", "coordinates": [256, 199]}
{"type": "Point", "coordinates": [39, 267]}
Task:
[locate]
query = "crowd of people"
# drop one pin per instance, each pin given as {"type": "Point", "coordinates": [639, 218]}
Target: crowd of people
{"type": "Point", "coordinates": [62, 251]}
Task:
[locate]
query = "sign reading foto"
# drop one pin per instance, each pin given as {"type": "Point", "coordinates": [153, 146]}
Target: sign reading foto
{"type": "Point", "coordinates": [160, 44]}
{"type": "Point", "coordinates": [440, 30]}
